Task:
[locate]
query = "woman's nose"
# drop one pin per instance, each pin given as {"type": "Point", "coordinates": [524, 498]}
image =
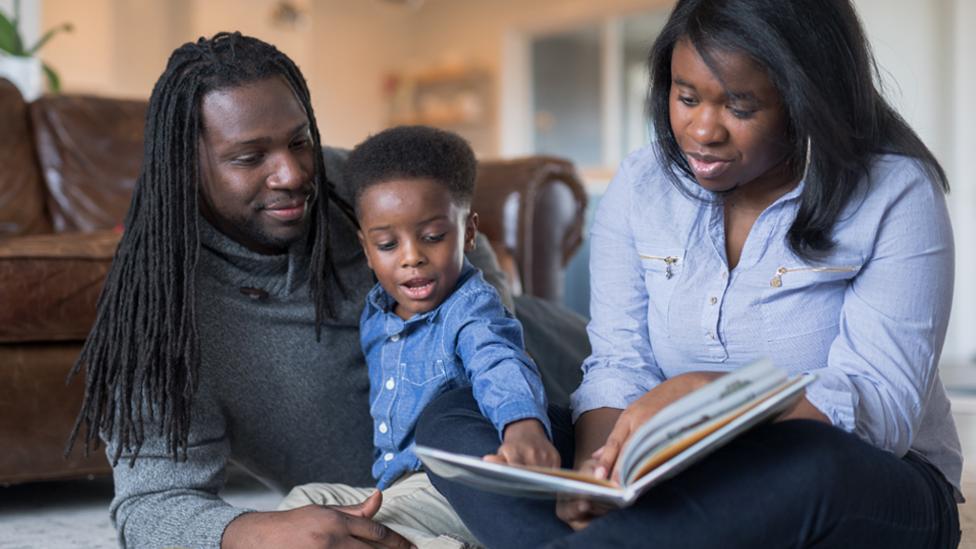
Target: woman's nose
{"type": "Point", "coordinates": [707, 127]}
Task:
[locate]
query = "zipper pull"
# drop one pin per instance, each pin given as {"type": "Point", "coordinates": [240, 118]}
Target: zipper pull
{"type": "Point", "coordinates": [668, 263]}
{"type": "Point", "coordinates": [777, 280]}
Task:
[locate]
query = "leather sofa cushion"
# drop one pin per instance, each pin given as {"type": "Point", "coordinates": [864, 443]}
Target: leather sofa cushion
{"type": "Point", "coordinates": [90, 152]}
{"type": "Point", "coordinates": [21, 189]}
{"type": "Point", "coordinates": [51, 284]}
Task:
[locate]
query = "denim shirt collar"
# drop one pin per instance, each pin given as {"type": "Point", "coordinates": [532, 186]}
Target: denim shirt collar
{"type": "Point", "coordinates": [380, 299]}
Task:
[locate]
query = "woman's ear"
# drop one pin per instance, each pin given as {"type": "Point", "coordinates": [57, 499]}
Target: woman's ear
{"type": "Point", "coordinates": [470, 231]}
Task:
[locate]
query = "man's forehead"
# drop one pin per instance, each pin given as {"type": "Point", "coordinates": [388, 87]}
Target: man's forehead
{"type": "Point", "coordinates": [252, 110]}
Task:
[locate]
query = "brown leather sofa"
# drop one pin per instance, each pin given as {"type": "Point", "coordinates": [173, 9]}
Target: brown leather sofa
{"type": "Point", "coordinates": [69, 165]}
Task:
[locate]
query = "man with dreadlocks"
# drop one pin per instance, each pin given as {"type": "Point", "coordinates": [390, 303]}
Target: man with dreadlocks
{"type": "Point", "coordinates": [207, 347]}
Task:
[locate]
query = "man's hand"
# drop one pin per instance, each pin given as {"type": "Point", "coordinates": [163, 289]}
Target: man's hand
{"type": "Point", "coordinates": [314, 526]}
{"type": "Point", "coordinates": [642, 410]}
{"type": "Point", "coordinates": [525, 443]}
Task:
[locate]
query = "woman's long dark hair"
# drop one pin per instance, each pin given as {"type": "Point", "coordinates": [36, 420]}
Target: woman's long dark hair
{"type": "Point", "coordinates": [142, 355]}
{"type": "Point", "coordinates": [816, 55]}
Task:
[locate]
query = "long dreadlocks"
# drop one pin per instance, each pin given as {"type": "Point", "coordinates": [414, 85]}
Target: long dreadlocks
{"type": "Point", "coordinates": [142, 355]}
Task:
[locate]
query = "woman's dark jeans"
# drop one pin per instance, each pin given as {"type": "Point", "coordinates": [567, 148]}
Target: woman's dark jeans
{"type": "Point", "coordinates": [787, 484]}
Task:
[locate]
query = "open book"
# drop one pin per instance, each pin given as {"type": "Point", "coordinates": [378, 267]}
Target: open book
{"type": "Point", "coordinates": [681, 433]}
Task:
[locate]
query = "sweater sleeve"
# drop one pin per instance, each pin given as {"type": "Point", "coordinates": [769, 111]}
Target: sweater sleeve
{"type": "Point", "coordinates": [160, 502]}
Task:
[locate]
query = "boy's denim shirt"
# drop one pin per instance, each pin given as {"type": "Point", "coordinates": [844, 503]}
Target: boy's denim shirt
{"type": "Point", "coordinates": [470, 339]}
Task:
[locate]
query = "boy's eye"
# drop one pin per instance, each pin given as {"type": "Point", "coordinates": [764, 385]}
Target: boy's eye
{"type": "Point", "coordinates": [435, 237]}
{"type": "Point", "coordinates": [385, 246]}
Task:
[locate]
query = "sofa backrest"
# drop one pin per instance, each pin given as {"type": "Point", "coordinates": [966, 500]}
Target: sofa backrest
{"type": "Point", "coordinates": [90, 152]}
{"type": "Point", "coordinates": [22, 196]}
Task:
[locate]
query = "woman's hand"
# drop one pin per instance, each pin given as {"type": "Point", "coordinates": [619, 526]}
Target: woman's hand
{"type": "Point", "coordinates": [525, 443]}
{"type": "Point", "coordinates": [578, 511]}
{"type": "Point", "coordinates": [640, 411]}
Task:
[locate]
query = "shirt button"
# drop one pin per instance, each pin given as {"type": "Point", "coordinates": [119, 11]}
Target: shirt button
{"type": "Point", "coordinates": [390, 384]}
{"type": "Point", "coordinates": [395, 337]}
{"type": "Point", "coordinates": [383, 428]}
{"type": "Point", "coordinates": [388, 457]}
{"type": "Point", "coordinates": [725, 274]}
{"type": "Point", "coordinates": [713, 300]}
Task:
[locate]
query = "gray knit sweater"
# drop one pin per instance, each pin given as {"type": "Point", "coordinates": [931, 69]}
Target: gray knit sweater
{"type": "Point", "coordinates": [271, 398]}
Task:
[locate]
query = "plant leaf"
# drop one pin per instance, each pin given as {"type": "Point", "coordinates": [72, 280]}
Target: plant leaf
{"type": "Point", "coordinates": [10, 41]}
{"type": "Point", "coordinates": [53, 82]}
{"type": "Point", "coordinates": [48, 35]}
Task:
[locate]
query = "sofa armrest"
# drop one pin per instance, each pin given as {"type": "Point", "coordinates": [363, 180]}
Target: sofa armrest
{"type": "Point", "coordinates": [532, 208]}
{"type": "Point", "coordinates": [51, 284]}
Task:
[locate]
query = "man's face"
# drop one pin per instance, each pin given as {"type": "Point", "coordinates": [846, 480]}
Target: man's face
{"type": "Point", "coordinates": [415, 235]}
{"type": "Point", "coordinates": [256, 162]}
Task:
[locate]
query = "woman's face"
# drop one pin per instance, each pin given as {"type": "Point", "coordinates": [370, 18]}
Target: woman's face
{"type": "Point", "coordinates": [732, 127]}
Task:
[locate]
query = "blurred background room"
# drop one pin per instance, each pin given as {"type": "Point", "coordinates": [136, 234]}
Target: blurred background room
{"type": "Point", "coordinates": [522, 77]}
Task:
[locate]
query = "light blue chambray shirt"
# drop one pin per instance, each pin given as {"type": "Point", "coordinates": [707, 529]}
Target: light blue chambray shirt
{"type": "Point", "coordinates": [870, 319]}
{"type": "Point", "coordinates": [470, 339]}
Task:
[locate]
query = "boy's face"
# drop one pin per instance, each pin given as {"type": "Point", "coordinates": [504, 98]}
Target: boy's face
{"type": "Point", "coordinates": [415, 236]}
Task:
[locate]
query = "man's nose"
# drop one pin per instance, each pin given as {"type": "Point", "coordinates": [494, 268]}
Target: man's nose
{"type": "Point", "coordinates": [289, 172]}
{"type": "Point", "coordinates": [707, 127]}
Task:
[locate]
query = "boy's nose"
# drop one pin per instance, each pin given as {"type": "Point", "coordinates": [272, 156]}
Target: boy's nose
{"type": "Point", "coordinates": [412, 257]}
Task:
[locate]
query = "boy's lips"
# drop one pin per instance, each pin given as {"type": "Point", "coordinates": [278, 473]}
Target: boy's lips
{"type": "Point", "coordinates": [418, 288]}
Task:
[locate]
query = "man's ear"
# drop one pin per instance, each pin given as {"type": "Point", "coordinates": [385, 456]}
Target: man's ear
{"type": "Point", "coordinates": [470, 231]}
{"type": "Point", "coordinates": [362, 243]}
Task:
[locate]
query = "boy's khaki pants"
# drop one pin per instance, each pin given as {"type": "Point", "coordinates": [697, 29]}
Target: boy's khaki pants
{"type": "Point", "coordinates": [411, 506]}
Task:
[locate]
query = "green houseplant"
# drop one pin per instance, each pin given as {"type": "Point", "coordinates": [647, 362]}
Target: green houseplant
{"type": "Point", "coordinates": [12, 44]}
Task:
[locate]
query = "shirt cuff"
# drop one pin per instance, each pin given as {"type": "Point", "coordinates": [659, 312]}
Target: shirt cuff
{"type": "Point", "coordinates": [606, 391]}
{"type": "Point", "coordinates": [510, 412]}
{"type": "Point", "coordinates": [833, 394]}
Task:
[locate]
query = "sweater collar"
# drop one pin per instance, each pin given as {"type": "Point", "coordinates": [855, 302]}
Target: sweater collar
{"type": "Point", "coordinates": [233, 263]}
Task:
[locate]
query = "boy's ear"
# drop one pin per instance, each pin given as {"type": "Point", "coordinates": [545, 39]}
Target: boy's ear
{"type": "Point", "coordinates": [470, 231]}
{"type": "Point", "coordinates": [362, 243]}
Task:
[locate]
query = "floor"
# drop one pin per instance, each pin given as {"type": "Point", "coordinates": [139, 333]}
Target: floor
{"type": "Point", "coordinates": [74, 514]}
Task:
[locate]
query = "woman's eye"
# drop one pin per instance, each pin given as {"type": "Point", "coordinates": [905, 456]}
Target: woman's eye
{"type": "Point", "coordinates": [688, 101]}
{"type": "Point", "coordinates": [435, 237]}
{"type": "Point", "coordinates": [741, 113]}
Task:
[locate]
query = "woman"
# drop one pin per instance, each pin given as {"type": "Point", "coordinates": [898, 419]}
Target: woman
{"type": "Point", "coordinates": [777, 214]}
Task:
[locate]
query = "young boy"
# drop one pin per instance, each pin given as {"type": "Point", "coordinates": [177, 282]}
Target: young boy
{"type": "Point", "coordinates": [431, 324]}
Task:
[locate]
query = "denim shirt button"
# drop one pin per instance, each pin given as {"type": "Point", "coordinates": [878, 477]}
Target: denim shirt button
{"type": "Point", "coordinates": [388, 457]}
{"type": "Point", "coordinates": [383, 428]}
{"type": "Point", "coordinates": [395, 337]}
{"type": "Point", "coordinates": [390, 384]}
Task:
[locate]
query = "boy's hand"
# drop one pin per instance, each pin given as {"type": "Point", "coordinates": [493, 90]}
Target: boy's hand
{"type": "Point", "coordinates": [525, 443]}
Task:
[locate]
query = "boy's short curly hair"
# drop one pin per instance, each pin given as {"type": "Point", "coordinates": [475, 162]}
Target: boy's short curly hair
{"type": "Point", "coordinates": [413, 152]}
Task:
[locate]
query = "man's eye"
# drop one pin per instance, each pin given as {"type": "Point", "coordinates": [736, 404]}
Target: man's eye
{"type": "Point", "coordinates": [435, 237]}
{"type": "Point", "coordinates": [247, 159]}
{"type": "Point", "coordinates": [300, 144]}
